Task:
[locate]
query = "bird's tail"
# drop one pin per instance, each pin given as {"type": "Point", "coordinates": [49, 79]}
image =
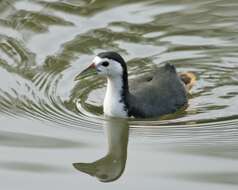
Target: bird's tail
{"type": "Point", "coordinates": [189, 79]}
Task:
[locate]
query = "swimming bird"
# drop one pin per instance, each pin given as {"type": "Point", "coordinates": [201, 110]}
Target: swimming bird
{"type": "Point", "coordinates": [161, 92]}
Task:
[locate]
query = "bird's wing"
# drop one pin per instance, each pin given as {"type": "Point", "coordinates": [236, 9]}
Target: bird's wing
{"type": "Point", "coordinates": [163, 94]}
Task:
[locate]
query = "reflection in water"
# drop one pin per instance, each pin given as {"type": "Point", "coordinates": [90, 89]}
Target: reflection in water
{"type": "Point", "coordinates": [111, 166]}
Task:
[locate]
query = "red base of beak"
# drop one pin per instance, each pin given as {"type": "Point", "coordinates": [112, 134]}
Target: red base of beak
{"type": "Point", "coordinates": [93, 66]}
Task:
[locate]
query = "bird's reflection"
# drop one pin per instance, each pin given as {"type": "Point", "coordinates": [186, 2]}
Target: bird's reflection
{"type": "Point", "coordinates": [111, 166]}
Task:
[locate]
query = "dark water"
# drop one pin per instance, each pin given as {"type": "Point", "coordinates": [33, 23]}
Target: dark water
{"type": "Point", "coordinates": [45, 44]}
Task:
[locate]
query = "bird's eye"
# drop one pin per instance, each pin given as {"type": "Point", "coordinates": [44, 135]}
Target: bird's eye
{"type": "Point", "coordinates": [105, 63]}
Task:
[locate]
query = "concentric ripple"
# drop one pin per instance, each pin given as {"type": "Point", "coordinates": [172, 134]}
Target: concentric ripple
{"type": "Point", "coordinates": [44, 47]}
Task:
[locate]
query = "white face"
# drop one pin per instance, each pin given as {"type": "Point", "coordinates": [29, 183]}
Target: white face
{"type": "Point", "coordinates": [107, 67]}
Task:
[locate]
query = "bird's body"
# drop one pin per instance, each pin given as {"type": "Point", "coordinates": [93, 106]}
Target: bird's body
{"type": "Point", "coordinates": [161, 92]}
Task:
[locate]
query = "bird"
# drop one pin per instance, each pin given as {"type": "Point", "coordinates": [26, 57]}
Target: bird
{"type": "Point", "coordinates": [159, 93]}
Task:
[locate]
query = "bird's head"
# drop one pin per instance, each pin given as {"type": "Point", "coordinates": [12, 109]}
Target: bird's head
{"type": "Point", "coordinates": [109, 64]}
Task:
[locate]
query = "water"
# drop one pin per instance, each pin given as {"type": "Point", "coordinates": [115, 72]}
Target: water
{"type": "Point", "coordinates": [45, 44]}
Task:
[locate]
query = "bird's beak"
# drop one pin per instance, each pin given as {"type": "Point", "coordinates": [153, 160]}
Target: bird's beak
{"type": "Point", "coordinates": [85, 71]}
{"type": "Point", "coordinates": [89, 68]}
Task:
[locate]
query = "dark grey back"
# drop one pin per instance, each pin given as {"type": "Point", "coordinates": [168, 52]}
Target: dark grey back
{"type": "Point", "coordinates": [157, 94]}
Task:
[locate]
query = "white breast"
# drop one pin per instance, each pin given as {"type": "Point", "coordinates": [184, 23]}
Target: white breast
{"type": "Point", "coordinates": [112, 105]}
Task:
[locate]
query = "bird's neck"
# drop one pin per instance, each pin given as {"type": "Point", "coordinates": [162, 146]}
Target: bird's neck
{"type": "Point", "coordinates": [116, 98]}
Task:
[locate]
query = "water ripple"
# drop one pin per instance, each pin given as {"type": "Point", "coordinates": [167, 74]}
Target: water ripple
{"type": "Point", "coordinates": [39, 81]}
